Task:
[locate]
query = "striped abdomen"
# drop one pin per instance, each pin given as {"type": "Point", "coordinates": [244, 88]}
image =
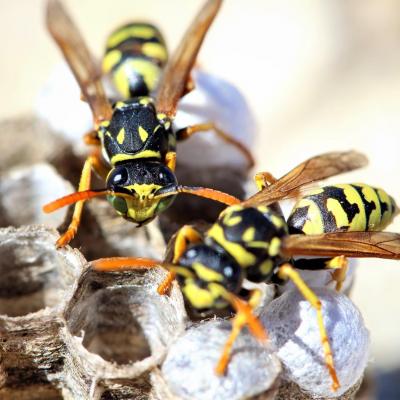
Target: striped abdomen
{"type": "Point", "coordinates": [135, 55]}
{"type": "Point", "coordinates": [345, 207]}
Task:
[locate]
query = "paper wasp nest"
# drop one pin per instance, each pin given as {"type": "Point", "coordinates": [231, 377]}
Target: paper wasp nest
{"type": "Point", "coordinates": [67, 332]}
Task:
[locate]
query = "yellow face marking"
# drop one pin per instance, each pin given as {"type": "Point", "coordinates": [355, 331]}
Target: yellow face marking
{"type": "Point", "coordinates": [143, 32]}
{"type": "Point", "coordinates": [249, 234]}
{"type": "Point", "coordinates": [167, 124]}
{"type": "Point", "coordinates": [161, 116]}
{"type": "Point", "coordinates": [111, 59]}
{"type": "Point", "coordinates": [266, 267]}
{"type": "Point", "coordinates": [274, 247]}
{"type": "Point", "coordinates": [339, 214]}
{"type": "Point", "coordinates": [121, 136]}
{"type": "Point", "coordinates": [207, 274]}
{"type": "Point", "coordinates": [143, 154]}
{"type": "Point", "coordinates": [238, 252]}
{"type": "Point", "coordinates": [155, 50]}
{"type": "Point", "coordinates": [359, 222]}
{"type": "Point", "coordinates": [143, 133]}
{"type": "Point", "coordinates": [142, 206]}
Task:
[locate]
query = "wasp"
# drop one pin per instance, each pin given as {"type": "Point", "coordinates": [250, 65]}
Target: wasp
{"type": "Point", "coordinates": [252, 240]}
{"type": "Point", "coordinates": [135, 142]}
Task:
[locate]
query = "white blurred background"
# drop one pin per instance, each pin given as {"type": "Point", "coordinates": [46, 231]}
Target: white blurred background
{"type": "Point", "coordinates": [319, 76]}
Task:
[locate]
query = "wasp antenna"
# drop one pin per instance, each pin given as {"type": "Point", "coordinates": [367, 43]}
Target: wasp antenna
{"type": "Point", "coordinates": [73, 198]}
{"type": "Point", "coordinates": [206, 193]}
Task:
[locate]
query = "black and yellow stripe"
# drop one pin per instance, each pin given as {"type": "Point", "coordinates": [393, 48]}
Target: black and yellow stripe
{"type": "Point", "coordinates": [134, 56]}
{"type": "Point", "coordinates": [344, 207]}
{"type": "Point", "coordinates": [252, 236]}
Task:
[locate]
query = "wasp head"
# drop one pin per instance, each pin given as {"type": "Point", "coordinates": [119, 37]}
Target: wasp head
{"type": "Point", "coordinates": [136, 185]}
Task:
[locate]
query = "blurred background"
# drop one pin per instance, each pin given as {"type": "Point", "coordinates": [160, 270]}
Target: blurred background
{"type": "Point", "coordinates": [318, 75]}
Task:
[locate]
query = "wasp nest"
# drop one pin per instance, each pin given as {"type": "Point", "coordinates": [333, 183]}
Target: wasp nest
{"type": "Point", "coordinates": [67, 332]}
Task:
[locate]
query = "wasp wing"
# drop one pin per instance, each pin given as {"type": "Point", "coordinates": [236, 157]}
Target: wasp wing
{"type": "Point", "coordinates": [78, 56]}
{"type": "Point", "coordinates": [176, 74]}
{"type": "Point", "coordinates": [350, 244]}
{"type": "Point", "coordinates": [314, 169]}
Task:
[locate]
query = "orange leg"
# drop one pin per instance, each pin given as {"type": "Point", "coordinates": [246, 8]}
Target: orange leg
{"type": "Point", "coordinates": [244, 316]}
{"type": "Point", "coordinates": [286, 271]}
{"type": "Point", "coordinates": [126, 263]}
{"type": "Point", "coordinates": [91, 138]}
{"type": "Point", "coordinates": [187, 234]}
{"type": "Point", "coordinates": [84, 184]}
{"type": "Point", "coordinates": [190, 130]}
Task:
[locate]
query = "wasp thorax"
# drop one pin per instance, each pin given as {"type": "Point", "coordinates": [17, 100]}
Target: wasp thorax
{"type": "Point", "coordinates": [207, 275]}
{"type": "Point", "coordinates": [136, 184]}
{"type": "Point", "coordinates": [252, 236]}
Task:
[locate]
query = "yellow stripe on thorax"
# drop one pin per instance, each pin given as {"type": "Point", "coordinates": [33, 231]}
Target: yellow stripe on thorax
{"type": "Point", "coordinates": [121, 136]}
{"type": "Point", "coordinates": [142, 154]}
{"type": "Point", "coordinates": [238, 252]}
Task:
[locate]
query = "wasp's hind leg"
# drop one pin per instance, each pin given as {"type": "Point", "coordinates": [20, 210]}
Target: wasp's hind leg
{"type": "Point", "coordinates": [286, 271]}
{"type": "Point", "coordinates": [185, 133]}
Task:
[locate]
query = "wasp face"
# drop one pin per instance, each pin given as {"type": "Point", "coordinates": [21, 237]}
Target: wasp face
{"type": "Point", "coordinates": [207, 275]}
{"type": "Point", "coordinates": [140, 181]}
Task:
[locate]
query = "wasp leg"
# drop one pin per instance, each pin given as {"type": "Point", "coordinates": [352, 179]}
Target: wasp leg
{"type": "Point", "coordinates": [340, 264]}
{"type": "Point", "coordinates": [94, 162]}
{"type": "Point", "coordinates": [286, 271]}
{"type": "Point", "coordinates": [170, 160]}
{"type": "Point", "coordinates": [244, 316]}
{"type": "Point", "coordinates": [91, 138]}
{"type": "Point", "coordinates": [264, 179]}
{"type": "Point", "coordinates": [185, 133]}
{"type": "Point", "coordinates": [187, 234]}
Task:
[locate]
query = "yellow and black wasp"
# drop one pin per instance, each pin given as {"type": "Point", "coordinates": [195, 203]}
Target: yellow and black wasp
{"type": "Point", "coordinates": [134, 141]}
{"type": "Point", "coordinates": [251, 240]}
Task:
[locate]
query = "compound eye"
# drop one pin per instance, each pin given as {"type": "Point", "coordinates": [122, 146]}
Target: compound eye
{"type": "Point", "coordinates": [119, 177]}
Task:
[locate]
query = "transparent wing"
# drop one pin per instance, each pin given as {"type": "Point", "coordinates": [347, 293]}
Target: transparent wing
{"type": "Point", "coordinates": [350, 244]}
{"type": "Point", "coordinates": [176, 74]}
{"type": "Point", "coordinates": [81, 62]}
{"type": "Point", "coordinates": [314, 169]}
